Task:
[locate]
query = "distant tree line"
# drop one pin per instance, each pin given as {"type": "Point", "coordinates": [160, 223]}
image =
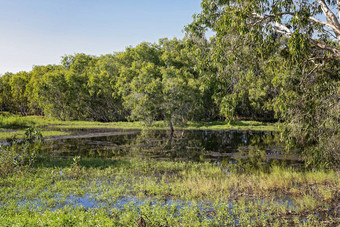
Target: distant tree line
{"type": "Point", "coordinates": [163, 81]}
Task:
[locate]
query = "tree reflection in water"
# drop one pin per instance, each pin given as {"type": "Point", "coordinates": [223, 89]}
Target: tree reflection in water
{"type": "Point", "coordinates": [247, 149]}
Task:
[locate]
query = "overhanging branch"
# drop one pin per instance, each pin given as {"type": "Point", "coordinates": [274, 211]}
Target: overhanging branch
{"type": "Point", "coordinates": [331, 18]}
{"type": "Point", "coordinates": [322, 46]}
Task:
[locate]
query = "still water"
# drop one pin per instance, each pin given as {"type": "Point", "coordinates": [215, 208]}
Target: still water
{"type": "Point", "coordinates": [191, 145]}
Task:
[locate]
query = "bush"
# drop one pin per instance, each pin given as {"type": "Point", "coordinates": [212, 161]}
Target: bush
{"type": "Point", "coordinates": [20, 154]}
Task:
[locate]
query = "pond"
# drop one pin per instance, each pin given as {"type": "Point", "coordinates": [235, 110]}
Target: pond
{"type": "Point", "coordinates": [191, 145]}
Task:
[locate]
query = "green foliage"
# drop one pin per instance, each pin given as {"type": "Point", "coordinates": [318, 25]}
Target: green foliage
{"type": "Point", "coordinates": [20, 154]}
{"type": "Point", "coordinates": [276, 60]}
{"type": "Point", "coordinates": [266, 61]}
{"type": "Point", "coordinates": [6, 101]}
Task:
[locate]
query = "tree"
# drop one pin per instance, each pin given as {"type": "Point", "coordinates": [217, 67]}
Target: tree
{"type": "Point", "coordinates": [104, 102]}
{"type": "Point", "coordinates": [6, 101]}
{"type": "Point", "coordinates": [158, 82]}
{"type": "Point", "coordinates": [54, 94]}
{"type": "Point", "coordinates": [77, 75]}
{"type": "Point", "coordinates": [18, 84]}
{"type": "Point", "coordinates": [282, 55]}
{"type": "Point", "coordinates": [180, 96]}
{"type": "Point", "coordinates": [33, 86]}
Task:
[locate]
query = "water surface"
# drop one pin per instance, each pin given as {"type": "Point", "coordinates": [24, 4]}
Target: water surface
{"type": "Point", "coordinates": [191, 145]}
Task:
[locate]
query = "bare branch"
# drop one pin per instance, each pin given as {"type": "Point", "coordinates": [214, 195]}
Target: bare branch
{"type": "Point", "coordinates": [313, 70]}
{"type": "Point", "coordinates": [282, 27]}
{"type": "Point", "coordinates": [338, 8]}
{"type": "Point", "coordinates": [279, 27]}
{"type": "Point", "coordinates": [331, 18]}
{"type": "Point", "coordinates": [325, 24]}
{"type": "Point", "coordinates": [335, 51]}
{"type": "Point", "coordinates": [333, 23]}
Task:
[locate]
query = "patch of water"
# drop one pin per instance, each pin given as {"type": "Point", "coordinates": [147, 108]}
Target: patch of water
{"type": "Point", "coordinates": [193, 145]}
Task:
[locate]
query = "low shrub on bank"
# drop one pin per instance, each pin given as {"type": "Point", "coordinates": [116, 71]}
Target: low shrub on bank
{"type": "Point", "coordinates": [19, 154]}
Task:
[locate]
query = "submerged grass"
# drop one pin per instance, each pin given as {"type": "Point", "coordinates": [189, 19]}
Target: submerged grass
{"type": "Point", "coordinates": [120, 191]}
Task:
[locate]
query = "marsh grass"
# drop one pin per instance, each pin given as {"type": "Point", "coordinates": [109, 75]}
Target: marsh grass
{"type": "Point", "coordinates": [165, 193]}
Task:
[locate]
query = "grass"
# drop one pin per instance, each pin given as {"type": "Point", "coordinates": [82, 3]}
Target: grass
{"type": "Point", "coordinates": [234, 125]}
{"type": "Point", "coordinates": [13, 122]}
{"type": "Point", "coordinates": [12, 125]}
{"type": "Point", "coordinates": [57, 192]}
{"type": "Point", "coordinates": [20, 133]}
{"type": "Point", "coordinates": [216, 125]}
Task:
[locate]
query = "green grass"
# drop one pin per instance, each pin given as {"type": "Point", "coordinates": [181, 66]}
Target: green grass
{"type": "Point", "coordinates": [13, 122]}
{"type": "Point", "coordinates": [20, 133]}
{"type": "Point", "coordinates": [234, 125]}
{"type": "Point", "coordinates": [165, 193]}
{"type": "Point", "coordinates": [216, 125]}
{"type": "Point", "coordinates": [11, 125]}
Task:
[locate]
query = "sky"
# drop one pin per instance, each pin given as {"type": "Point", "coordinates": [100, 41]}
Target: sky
{"type": "Point", "coordinates": [40, 32]}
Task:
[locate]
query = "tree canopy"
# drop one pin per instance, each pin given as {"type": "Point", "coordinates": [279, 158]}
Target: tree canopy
{"type": "Point", "coordinates": [279, 56]}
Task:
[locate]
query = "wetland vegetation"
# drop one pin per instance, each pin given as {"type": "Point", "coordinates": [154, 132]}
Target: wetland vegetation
{"type": "Point", "coordinates": [188, 178]}
{"type": "Point", "coordinates": [119, 191]}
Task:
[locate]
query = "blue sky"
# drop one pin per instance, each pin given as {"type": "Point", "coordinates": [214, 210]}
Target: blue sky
{"type": "Point", "coordinates": [39, 32]}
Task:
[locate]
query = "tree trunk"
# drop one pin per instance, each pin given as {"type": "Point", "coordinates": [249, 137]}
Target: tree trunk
{"type": "Point", "coordinates": [171, 127]}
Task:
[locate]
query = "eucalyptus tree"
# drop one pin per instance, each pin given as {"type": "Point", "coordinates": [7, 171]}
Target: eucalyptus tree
{"type": "Point", "coordinates": [285, 53]}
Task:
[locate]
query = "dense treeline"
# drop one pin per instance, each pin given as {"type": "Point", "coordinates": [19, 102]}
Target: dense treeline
{"type": "Point", "coordinates": [266, 61]}
{"type": "Point", "coordinates": [149, 82]}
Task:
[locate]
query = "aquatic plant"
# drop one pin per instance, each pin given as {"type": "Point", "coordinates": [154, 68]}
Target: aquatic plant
{"type": "Point", "coordinates": [119, 191]}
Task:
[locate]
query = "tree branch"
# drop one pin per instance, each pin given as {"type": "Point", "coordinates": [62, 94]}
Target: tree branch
{"type": "Point", "coordinates": [335, 51]}
{"type": "Point", "coordinates": [331, 18]}
{"type": "Point", "coordinates": [334, 26]}
{"type": "Point", "coordinates": [325, 24]}
{"type": "Point", "coordinates": [338, 8]}
{"type": "Point", "coordinates": [280, 27]}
